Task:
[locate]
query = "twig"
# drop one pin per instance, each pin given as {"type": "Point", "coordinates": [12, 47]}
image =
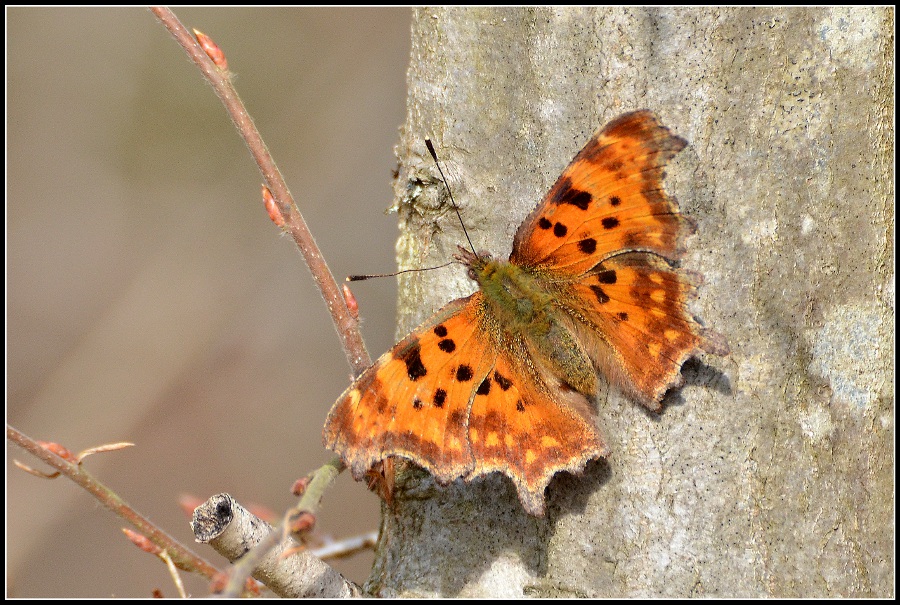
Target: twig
{"type": "Point", "coordinates": [339, 549]}
{"type": "Point", "coordinates": [346, 324]}
{"type": "Point", "coordinates": [229, 528]}
{"type": "Point", "coordinates": [308, 504]}
{"type": "Point", "coordinates": [181, 556]}
{"type": "Point", "coordinates": [173, 572]}
{"type": "Point", "coordinates": [65, 454]}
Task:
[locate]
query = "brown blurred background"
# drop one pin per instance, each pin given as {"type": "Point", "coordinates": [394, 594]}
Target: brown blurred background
{"type": "Point", "coordinates": [150, 299]}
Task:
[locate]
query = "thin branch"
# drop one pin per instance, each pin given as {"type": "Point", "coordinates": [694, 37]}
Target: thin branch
{"type": "Point", "coordinates": [286, 215]}
{"type": "Point", "coordinates": [173, 572]}
{"type": "Point", "coordinates": [340, 549]}
{"type": "Point", "coordinates": [181, 556]}
{"type": "Point", "coordinates": [345, 323]}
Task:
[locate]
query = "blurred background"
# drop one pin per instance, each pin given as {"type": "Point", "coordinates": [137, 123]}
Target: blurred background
{"type": "Point", "coordinates": [150, 299]}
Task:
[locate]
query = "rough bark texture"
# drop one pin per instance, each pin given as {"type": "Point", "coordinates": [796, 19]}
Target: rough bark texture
{"type": "Point", "coordinates": [770, 474]}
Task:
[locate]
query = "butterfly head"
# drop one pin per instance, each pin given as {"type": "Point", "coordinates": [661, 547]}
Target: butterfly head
{"type": "Point", "coordinates": [476, 263]}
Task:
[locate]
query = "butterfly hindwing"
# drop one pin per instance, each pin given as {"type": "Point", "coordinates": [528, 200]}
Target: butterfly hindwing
{"type": "Point", "coordinates": [639, 330]}
{"type": "Point", "coordinates": [529, 429]}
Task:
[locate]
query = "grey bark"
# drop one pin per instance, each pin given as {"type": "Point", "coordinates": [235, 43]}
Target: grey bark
{"type": "Point", "coordinates": [770, 473]}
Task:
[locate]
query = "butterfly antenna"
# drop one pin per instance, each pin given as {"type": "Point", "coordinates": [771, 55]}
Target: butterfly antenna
{"type": "Point", "coordinates": [364, 277]}
{"type": "Point", "coordinates": [455, 207]}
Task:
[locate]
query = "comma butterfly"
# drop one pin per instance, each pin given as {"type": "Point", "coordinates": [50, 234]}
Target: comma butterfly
{"type": "Point", "coordinates": [504, 379]}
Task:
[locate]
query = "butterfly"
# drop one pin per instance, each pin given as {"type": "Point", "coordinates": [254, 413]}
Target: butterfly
{"type": "Point", "coordinates": [504, 380]}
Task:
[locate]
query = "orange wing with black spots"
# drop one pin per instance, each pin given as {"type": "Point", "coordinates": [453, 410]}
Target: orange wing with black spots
{"type": "Point", "coordinates": [636, 325]}
{"type": "Point", "coordinates": [605, 233]}
{"type": "Point", "coordinates": [608, 200]}
{"type": "Point", "coordinates": [414, 401]}
{"type": "Point", "coordinates": [458, 403]}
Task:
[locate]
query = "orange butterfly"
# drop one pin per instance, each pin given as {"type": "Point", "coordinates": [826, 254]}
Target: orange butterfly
{"type": "Point", "coordinates": [503, 380]}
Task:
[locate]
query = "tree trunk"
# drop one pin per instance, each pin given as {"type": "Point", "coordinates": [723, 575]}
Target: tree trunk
{"type": "Point", "coordinates": [770, 473]}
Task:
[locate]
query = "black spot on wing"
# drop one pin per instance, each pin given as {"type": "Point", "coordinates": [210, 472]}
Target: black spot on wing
{"type": "Point", "coordinates": [602, 297]}
{"type": "Point", "coordinates": [502, 381]}
{"type": "Point", "coordinates": [606, 277]}
{"type": "Point", "coordinates": [464, 373]}
{"type": "Point", "coordinates": [411, 356]}
{"type": "Point", "coordinates": [567, 194]}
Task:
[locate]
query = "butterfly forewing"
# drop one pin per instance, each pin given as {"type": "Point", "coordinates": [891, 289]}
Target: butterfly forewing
{"type": "Point", "coordinates": [609, 199]}
{"type": "Point", "coordinates": [414, 401]}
